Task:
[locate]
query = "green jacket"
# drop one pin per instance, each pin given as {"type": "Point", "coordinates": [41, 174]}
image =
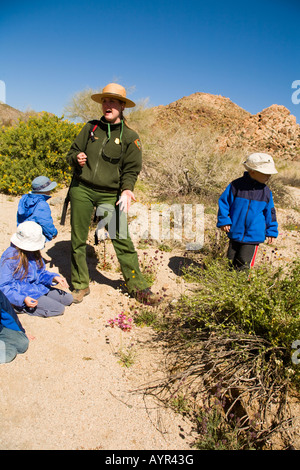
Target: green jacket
{"type": "Point", "coordinates": [114, 156]}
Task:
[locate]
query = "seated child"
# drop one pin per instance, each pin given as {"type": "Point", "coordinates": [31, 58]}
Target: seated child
{"type": "Point", "coordinates": [246, 211]}
{"type": "Point", "coordinates": [24, 279]}
{"type": "Point", "coordinates": [13, 339]}
{"type": "Point", "coordinates": [34, 206]}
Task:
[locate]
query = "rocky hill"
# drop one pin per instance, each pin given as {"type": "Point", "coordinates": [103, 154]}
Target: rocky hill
{"type": "Point", "coordinates": [273, 130]}
{"type": "Point", "coordinates": [9, 115]}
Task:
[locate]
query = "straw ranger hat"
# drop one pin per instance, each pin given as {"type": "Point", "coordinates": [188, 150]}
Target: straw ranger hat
{"type": "Point", "coordinates": [29, 236]}
{"type": "Point", "coordinates": [261, 162]}
{"type": "Point", "coordinates": [113, 90]}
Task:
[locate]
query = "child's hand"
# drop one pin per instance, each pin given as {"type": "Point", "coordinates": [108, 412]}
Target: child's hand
{"type": "Point", "coordinates": [30, 302]}
{"type": "Point", "coordinates": [62, 281]}
{"type": "Point", "coordinates": [226, 228]}
{"type": "Point", "coordinates": [30, 337]}
{"type": "Point", "coordinates": [270, 240]}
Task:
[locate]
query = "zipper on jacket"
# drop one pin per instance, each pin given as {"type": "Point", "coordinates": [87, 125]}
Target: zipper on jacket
{"type": "Point", "coordinates": [246, 220]}
{"type": "Point", "coordinates": [99, 155]}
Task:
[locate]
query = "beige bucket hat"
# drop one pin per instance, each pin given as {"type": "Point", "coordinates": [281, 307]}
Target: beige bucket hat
{"type": "Point", "coordinates": [29, 236]}
{"type": "Point", "coordinates": [261, 162]}
{"type": "Point", "coordinates": [113, 90]}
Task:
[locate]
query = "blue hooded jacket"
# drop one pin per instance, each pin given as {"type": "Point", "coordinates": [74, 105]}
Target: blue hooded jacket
{"type": "Point", "coordinates": [34, 207]}
{"type": "Point", "coordinates": [248, 207]}
{"type": "Point", "coordinates": [37, 282]}
{"type": "Point", "coordinates": [8, 317]}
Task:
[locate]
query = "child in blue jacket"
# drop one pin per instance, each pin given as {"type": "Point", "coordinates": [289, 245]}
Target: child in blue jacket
{"type": "Point", "coordinates": [34, 206]}
{"type": "Point", "coordinates": [13, 339]}
{"type": "Point", "coordinates": [246, 211]}
{"type": "Point", "coordinates": [24, 279]}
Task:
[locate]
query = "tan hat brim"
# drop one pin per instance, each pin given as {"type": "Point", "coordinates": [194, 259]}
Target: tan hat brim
{"type": "Point", "coordinates": [266, 169]}
{"type": "Point", "coordinates": [98, 97]}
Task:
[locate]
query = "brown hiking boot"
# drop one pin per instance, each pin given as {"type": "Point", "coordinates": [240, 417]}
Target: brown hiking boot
{"type": "Point", "coordinates": [147, 297]}
{"type": "Point", "coordinates": [78, 294]}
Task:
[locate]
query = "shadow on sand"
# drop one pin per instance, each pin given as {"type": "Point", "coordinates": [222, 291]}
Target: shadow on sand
{"type": "Point", "coordinates": [60, 255]}
{"type": "Point", "coordinates": [179, 263]}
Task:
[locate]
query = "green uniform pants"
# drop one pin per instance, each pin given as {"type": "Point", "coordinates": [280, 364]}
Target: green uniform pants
{"type": "Point", "coordinates": [83, 200]}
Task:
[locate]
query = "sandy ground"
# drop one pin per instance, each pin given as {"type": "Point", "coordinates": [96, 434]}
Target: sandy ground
{"type": "Point", "coordinates": [69, 390]}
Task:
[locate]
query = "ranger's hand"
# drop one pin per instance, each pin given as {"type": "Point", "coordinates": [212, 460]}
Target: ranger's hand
{"type": "Point", "coordinates": [125, 200]}
{"type": "Point", "coordinates": [81, 158]}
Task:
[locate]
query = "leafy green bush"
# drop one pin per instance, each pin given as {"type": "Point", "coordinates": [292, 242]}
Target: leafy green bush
{"type": "Point", "coordinates": [264, 303]}
{"type": "Point", "coordinates": [35, 147]}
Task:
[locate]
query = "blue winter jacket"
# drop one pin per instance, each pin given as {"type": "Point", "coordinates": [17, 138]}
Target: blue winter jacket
{"type": "Point", "coordinates": [8, 317]}
{"type": "Point", "coordinates": [248, 207]}
{"type": "Point", "coordinates": [34, 206]}
{"type": "Point", "coordinates": [37, 282]}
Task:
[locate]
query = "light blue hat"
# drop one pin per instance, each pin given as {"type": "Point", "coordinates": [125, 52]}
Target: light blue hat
{"type": "Point", "coordinates": [41, 184]}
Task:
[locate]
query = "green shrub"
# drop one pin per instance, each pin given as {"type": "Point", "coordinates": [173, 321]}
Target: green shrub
{"type": "Point", "coordinates": [265, 303]}
{"type": "Point", "coordinates": [35, 147]}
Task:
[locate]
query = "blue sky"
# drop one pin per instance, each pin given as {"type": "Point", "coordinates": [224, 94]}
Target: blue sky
{"type": "Point", "coordinates": [246, 51]}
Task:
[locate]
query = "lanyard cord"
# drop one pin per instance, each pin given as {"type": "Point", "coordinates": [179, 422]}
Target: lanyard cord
{"type": "Point", "coordinates": [121, 132]}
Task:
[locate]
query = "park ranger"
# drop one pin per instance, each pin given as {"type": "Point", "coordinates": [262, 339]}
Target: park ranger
{"type": "Point", "coordinates": [106, 158]}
